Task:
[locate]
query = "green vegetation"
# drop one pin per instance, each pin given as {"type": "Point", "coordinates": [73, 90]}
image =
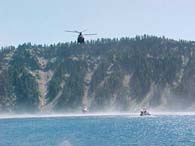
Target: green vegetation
{"type": "Point", "coordinates": [111, 73]}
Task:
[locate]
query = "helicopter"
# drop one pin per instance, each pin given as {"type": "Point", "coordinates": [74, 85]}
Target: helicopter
{"type": "Point", "coordinates": [81, 39]}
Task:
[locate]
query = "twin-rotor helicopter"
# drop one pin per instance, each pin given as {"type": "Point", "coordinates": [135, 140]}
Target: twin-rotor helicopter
{"type": "Point", "coordinates": [80, 38]}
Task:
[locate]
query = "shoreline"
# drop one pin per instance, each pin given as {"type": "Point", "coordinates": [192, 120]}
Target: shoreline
{"type": "Point", "coordinates": [52, 115]}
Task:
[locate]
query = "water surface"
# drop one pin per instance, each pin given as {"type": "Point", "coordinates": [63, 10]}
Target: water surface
{"type": "Point", "coordinates": [99, 131]}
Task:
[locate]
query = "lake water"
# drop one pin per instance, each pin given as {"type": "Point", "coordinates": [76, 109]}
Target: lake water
{"type": "Point", "coordinates": [99, 131]}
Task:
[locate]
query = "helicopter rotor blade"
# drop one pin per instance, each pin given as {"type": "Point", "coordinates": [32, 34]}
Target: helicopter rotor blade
{"type": "Point", "coordinates": [72, 31]}
{"type": "Point", "coordinates": [90, 34]}
{"type": "Point", "coordinates": [84, 30]}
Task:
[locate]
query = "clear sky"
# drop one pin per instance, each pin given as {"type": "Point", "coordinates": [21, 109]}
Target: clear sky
{"type": "Point", "coordinates": [44, 21]}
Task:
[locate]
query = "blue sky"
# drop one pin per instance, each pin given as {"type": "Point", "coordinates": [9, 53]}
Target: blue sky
{"type": "Point", "coordinates": [44, 21]}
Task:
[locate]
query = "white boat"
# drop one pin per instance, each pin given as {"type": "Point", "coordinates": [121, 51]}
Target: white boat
{"type": "Point", "coordinates": [85, 109]}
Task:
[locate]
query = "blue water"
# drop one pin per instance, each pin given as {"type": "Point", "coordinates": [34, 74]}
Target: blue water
{"type": "Point", "coordinates": [99, 131]}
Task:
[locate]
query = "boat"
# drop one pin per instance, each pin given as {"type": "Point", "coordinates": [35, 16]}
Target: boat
{"type": "Point", "coordinates": [144, 112]}
{"type": "Point", "coordinates": [85, 109]}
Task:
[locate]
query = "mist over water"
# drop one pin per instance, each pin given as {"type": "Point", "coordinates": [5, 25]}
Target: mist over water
{"type": "Point", "coordinates": [105, 128]}
{"type": "Point", "coordinates": [94, 114]}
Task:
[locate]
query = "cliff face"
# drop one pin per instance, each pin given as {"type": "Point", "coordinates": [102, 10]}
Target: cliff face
{"type": "Point", "coordinates": [105, 75]}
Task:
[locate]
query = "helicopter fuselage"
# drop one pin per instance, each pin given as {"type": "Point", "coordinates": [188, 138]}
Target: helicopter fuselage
{"type": "Point", "coordinates": [80, 39]}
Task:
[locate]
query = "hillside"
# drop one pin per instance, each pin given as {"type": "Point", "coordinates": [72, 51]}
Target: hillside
{"type": "Point", "coordinates": [106, 75]}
